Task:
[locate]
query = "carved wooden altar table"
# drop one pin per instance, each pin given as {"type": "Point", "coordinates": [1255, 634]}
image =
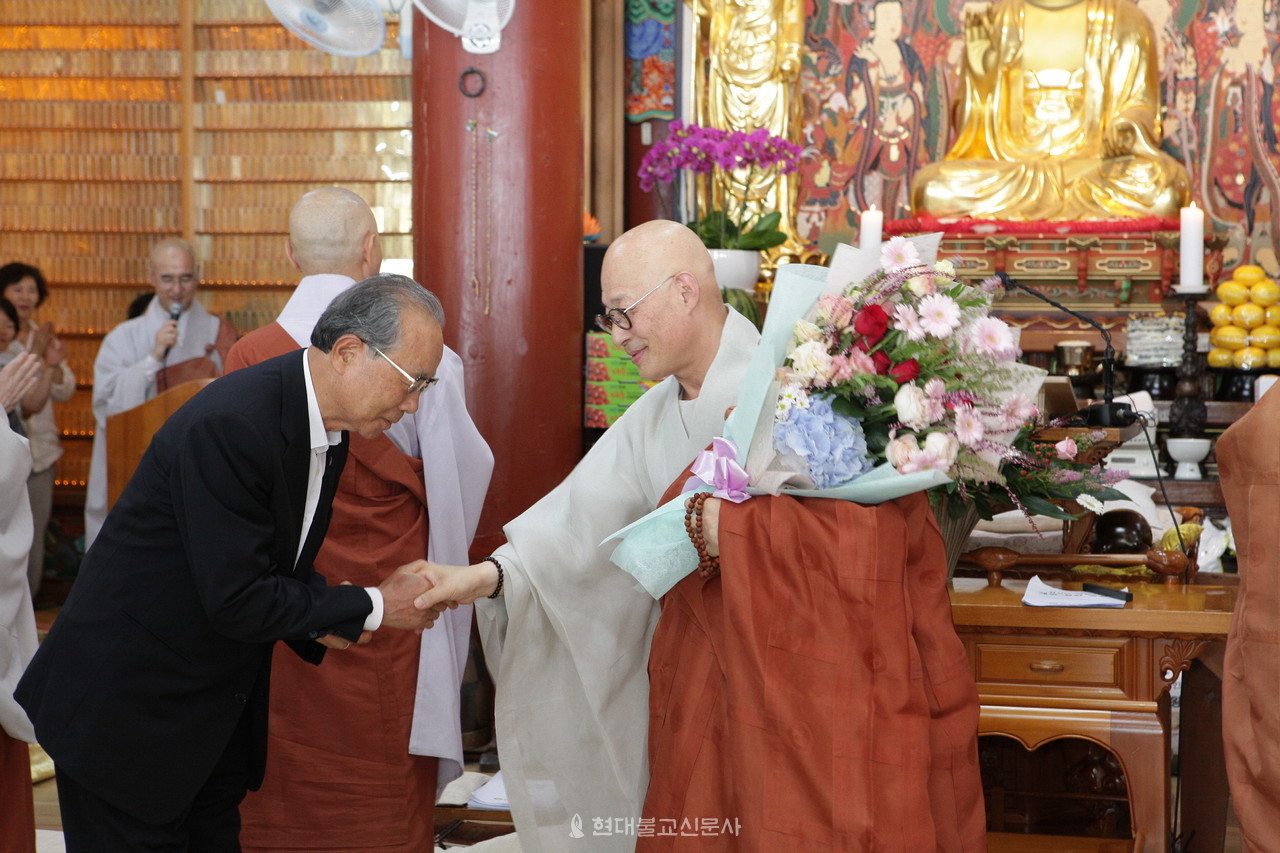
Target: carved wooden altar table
{"type": "Point", "coordinates": [1100, 674]}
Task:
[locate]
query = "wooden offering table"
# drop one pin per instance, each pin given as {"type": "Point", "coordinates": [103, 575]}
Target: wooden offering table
{"type": "Point", "coordinates": [1100, 674]}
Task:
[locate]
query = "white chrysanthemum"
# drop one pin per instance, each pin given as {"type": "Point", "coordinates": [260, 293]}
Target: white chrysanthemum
{"type": "Point", "coordinates": [1090, 503]}
{"type": "Point", "coordinates": [791, 395]}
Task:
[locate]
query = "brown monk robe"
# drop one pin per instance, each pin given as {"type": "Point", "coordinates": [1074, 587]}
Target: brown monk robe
{"type": "Point", "coordinates": [1249, 468]}
{"type": "Point", "coordinates": [339, 774]}
{"type": "Point", "coordinates": [17, 815]}
{"type": "Point", "coordinates": [814, 694]}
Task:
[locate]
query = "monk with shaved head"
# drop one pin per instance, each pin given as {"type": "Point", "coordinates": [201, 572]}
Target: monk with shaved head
{"type": "Point", "coordinates": [332, 231]}
{"type": "Point", "coordinates": [357, 747]}
{"type": "Point", "coordinates": [566, 631]}
{"type": "Point", "coordinates": [662, 303]}
{"type": "Point", "coordinates": [174, 340]}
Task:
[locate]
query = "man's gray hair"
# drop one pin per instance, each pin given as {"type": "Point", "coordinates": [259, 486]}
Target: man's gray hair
{"type": "Point", "coordinates": [371, 310]}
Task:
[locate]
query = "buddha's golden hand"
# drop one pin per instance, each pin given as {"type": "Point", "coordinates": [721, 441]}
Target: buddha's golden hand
{"type": "Point", "coordinates": [1120, 139]}
{"type": "Point", "coordinates": [979, 25]}
{"type": "Point", "coordinates": [789, 61]}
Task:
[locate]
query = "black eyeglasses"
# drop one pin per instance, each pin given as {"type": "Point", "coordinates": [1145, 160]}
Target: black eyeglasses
{"type": "Point", "coordinates": [415, 385]}
{"type": "Point", "coordinates": [619, 316]}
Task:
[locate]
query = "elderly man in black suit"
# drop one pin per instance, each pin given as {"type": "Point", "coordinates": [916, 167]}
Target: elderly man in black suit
{"type": "Point", "coordinates": [150, 691]}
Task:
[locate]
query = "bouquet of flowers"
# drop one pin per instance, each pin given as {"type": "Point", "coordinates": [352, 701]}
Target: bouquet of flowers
{"type": "Point", "coordinates": [905, 367]}
{"type": "Point", "coordinates": [909, 367]}
{"type": "Point", "coordinates": [880, 377]}
{"type": "Point", "coordinates": [699, 151]}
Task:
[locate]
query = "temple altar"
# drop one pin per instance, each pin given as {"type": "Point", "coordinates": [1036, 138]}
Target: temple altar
{"type": "Point", "coordinates": [1110, 270]}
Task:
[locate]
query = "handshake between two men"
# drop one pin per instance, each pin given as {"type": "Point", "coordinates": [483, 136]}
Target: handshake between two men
{"type": "Point", "coordinates": [415, 595]}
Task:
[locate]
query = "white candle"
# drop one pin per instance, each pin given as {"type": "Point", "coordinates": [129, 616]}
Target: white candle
{"type": "Point", "coordinates": [870, 226]}
{"type": "Point", "coordinates": [1191, 252]}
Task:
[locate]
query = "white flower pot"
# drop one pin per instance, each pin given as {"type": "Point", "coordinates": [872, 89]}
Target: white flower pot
{"type": "Point", "coordinates": [737, 269]}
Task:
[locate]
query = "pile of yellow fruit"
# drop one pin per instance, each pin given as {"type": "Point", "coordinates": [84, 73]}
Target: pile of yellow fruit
{"type": "Point", "coordinates": [1246, 323]}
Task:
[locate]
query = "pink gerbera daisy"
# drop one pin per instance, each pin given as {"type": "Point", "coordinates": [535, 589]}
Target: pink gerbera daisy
{"type": "Point", "coordinates": [899, 253]}
{"type": "Point", "coordinates": [939, 315]}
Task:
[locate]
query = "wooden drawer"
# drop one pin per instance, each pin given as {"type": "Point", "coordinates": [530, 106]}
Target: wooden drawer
{"type": "Point", "coordinates": [1075, 667]}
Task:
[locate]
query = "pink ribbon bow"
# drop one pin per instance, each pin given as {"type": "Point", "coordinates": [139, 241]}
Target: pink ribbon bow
{"type": "Point", "coordinates": [719, 467]}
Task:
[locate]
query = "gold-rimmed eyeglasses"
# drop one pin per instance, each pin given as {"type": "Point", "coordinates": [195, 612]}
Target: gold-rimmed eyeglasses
{"type": "Point", "coordinates": [415, 385]}
{"type": "Point", "coordinates": [619, 316]}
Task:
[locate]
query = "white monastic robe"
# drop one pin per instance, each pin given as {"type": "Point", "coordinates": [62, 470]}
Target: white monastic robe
{"type": "Point", "coordinates": [17, 642]}
{"type": "Point", "coordinates": [456, 467]}
{"type": "Point", "coordinates": [124, 376]}
{"type": "Point", "coordinates": [570, 640]}
{"type": "Point", "coordinates": [17, 621]}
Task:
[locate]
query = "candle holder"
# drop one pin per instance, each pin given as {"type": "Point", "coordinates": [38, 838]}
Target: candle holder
{"type": "Point", "coordinates": [1188, 414]}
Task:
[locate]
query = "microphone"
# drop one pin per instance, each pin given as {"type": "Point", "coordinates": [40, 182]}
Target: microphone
{"type": "Point", "coordinates": [175, 311]}
{"type": "Point", "coordinates": [1107, 413]}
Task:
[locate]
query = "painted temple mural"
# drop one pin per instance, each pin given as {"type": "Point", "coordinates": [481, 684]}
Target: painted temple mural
{"type": "Point", "coordinates": [878, 78]}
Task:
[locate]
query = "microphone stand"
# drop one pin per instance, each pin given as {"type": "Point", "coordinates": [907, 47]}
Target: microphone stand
{"type": "Point", "coordinates": [1107, 413]}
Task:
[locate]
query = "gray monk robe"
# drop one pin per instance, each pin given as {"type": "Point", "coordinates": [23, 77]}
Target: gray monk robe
{"type": "Point", "coordinates": [570, 640]}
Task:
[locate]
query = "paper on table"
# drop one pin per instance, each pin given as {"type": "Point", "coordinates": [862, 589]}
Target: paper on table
{"type": "Point", "coordinates": [491, 795]}
{"type": "Point", "coordinates": [459, 791]}
{"type": "Point", "coordinates": [1040, 594]}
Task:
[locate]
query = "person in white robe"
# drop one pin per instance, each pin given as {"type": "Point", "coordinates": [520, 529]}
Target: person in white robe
{"type": "Point", "coordinates": [17, 621]}
{"type": "Point", "coordinates": [569, 633]}
{"type": "Point", "coordinates": [145, 355]}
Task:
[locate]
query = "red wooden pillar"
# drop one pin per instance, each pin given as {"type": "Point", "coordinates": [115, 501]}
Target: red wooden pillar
{"type": "Point", "coordinates": [497, 215]}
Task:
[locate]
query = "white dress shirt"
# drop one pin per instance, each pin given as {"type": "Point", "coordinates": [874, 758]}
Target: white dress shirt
{"type": "Point", "coordinates": [321, 440]}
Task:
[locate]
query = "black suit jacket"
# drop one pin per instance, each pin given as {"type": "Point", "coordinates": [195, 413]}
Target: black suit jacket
{"type": "Point", "coordinates": [166, 637]}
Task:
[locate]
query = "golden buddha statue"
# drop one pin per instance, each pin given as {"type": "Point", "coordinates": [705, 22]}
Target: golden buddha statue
{"type": "Point", "coordinates": [1059, 117]}
{"type": "Point", "coordinates": [752, 71]}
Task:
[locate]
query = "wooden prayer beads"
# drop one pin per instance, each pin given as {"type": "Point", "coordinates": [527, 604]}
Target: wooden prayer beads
{"type": "Point", "coordinates": [708, 566]}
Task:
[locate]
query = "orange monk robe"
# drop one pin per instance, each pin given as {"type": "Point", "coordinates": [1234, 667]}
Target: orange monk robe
{"type": "Point", "coordinates": [1249, 468]}
{"type": "Point", "coordinates": [339, 774]}
{"type": "Point", "coordinates": [814, 694]}
{"type": "Point", "coordinates": [17, 815]}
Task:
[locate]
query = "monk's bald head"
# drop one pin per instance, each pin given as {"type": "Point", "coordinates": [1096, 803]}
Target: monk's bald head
{"type": "Point", "coordinates": [659, 248]}
{"type": "Point", "coordinates": [332, 231]}
{"type": "Point", "coordinates": [658, 282]}
{"type": "Point", "coordinates": [172, 271]}
{"type": "Point", "coordinates": [172, 247]}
